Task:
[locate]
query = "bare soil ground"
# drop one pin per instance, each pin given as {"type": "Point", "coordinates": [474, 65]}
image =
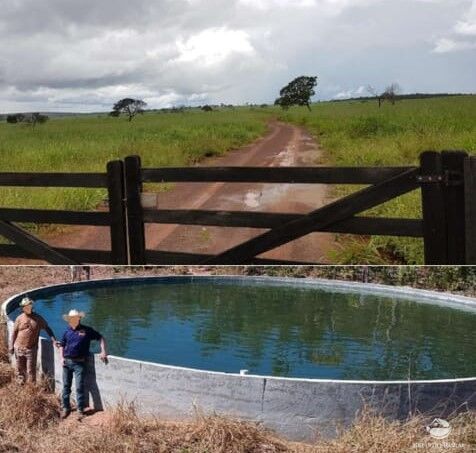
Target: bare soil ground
{"type": "Point", "coordinates": [283, 145]}
{"type": "Point", "coordinates": [15, 279]}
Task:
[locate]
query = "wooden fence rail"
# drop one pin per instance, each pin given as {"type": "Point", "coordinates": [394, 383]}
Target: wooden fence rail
{"type": "Point", "coordinates": [273, 175]}
{"type": "Point", "coordinates": [27, 246]}
{"type": "Point", "coordinates": [354, 225]}
{"type": "Point", "coordinates": [448, 193]}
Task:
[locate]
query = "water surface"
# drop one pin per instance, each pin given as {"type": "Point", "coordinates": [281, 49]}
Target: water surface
{"type": "Point", "coordinates": [276, 330]}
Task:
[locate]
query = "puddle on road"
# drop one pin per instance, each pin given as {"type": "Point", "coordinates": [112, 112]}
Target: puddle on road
{"type": "Point", "coordinates": [286, 157]}
{"type": "Point", "coordinates": [268, 195]}
{"type": "Point", "coordinates": [252, 199]}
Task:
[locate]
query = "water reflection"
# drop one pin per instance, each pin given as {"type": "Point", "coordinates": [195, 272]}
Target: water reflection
{"type": "Point", "coordinates": [284, 331]}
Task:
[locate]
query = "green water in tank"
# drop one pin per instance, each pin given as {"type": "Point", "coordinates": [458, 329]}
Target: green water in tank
{"type": "Point", "coordinates": [280, 330]}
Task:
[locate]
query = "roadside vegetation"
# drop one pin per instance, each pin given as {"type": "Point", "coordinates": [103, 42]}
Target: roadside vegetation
{"type": "Point", "coordinates": [359, 133]}
{"type": "Point", "coordinates": [455, 279]}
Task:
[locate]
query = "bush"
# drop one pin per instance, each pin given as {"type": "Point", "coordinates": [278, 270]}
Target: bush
{"type": "Point", "coordinates": [16, 118]}
{"type": "Point", "coordinates": [41, 119]}
{"type": "Point", "coordinates": [31, 118]}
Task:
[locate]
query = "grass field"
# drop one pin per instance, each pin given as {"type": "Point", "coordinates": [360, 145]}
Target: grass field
{"type": "Point", "coordinates": [351, 133]}
{"type": "Point", "coordinates": [358, 133]}
{"type": "Point", "coordinates": [87, 143]}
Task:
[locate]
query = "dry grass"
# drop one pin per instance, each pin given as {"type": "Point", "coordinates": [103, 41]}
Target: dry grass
{"type": "Point", "coordinates": [27, 407]}
{"type": "Point", "coordinates": [3, 343]}
{"type": "Point", "coordinates": [29, 422]}
{"type": "Point", "coordinates": [125, 431]}
{"type": "Point", "coordinates": [372, 433]}
{"type": "Point", "coordinates": [6, 372]}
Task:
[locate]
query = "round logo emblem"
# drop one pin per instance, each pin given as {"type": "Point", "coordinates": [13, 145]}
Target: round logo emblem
{"type": "Point", "coordinates": [439, 428]}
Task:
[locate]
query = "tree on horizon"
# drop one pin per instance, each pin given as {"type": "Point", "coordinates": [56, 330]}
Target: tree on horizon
{"type": "Point", "coordinates": [297, 92]}
{"type": "Point", "coordinates": [130, 107]}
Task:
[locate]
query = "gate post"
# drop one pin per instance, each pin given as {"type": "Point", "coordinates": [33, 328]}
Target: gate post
{"type": "Point", "coordinates": [454, 188]}
{"type": "Point", "coordinates": [433, 206]}
{"type": "Point", "coordinates": [135, 223]}
{"type": "Point", "coordinates": [117, 212]}
{"type": "Point", "coordinates": [470, 208]}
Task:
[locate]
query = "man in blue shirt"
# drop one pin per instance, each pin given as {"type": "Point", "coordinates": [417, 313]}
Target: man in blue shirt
{"type": "Point", "coordinates": [74, 352]}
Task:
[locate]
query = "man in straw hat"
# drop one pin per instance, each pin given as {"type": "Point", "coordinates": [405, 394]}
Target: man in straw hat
{"type": "Point", "coordinates": [74, 352]}
{"type": "Point", "coordinates": [24, 340]}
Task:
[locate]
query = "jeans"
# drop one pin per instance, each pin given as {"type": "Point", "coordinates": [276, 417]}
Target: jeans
{"type": "Point", "coordinates": [71, 367]}
{"type": "Point", "coordinates": [26, 363]}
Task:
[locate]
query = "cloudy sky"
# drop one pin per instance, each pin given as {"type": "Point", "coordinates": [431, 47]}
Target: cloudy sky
{"type": "Point", "coordinates": [83, 55]}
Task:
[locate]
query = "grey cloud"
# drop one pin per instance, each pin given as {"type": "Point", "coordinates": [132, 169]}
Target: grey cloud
{"type": "Point", "coordinates": [75, 19]}
{"type": "Point", "coordinates": [66, 16]}
{"type": "Point", "coordinates": [64, 52]}
{"type": "Point", "coordinates": [60, 83]}
{"type": "Point", "coordinates": [28, 96]}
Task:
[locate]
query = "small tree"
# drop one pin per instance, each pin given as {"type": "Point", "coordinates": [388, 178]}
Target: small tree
{"type": "Point", "coordinates": [207, 108]}
{"type": "Point", "coordinates": [297, 92]}
{"type": "Point", "coordinates": [35, 118]}
{"type": "Point", "coordinates": [390, 94]}
{"type": "Point", "coordinates": [12, 119]}
{"type": "Point", "coordinates": [128, 106]}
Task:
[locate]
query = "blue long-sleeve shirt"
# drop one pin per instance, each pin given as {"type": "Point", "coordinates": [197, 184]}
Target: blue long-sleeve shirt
{"type": "Point", "coordinates": [76, 342]}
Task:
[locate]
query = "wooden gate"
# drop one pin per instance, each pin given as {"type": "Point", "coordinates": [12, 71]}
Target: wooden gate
{"type": "Point", "coordinates": [448, 192]}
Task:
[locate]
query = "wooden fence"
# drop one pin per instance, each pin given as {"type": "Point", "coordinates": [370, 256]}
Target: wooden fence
{"type": "Point", "coordinates": [25, 245]}
{"type": "Point", "coordinates": [448, 193]}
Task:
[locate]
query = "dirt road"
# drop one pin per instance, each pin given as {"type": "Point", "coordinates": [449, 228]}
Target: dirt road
{"type": "Point", "coordinates": [283, 145]}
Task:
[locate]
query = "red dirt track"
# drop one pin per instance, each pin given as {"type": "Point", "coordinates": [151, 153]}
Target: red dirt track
{"type": "Point", "coordinates": [283, 145]}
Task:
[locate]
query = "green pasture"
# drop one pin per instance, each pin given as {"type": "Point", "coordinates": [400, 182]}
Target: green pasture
{"type": "Point", "coordinates": [87, 143]}
{"type": "Point", "coordinates": [356, 133]}
{"type": "Point", "coordinates": [351, 133]}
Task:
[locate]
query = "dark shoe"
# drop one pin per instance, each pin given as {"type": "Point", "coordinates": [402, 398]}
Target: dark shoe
{"type": "Point", "coordinates": [65, 413]}
{"type": "Point", "coordinates": [80, 415]}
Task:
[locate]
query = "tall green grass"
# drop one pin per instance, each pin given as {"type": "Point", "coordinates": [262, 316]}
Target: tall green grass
{"type": "Point", "coordinates": [87, 143]}
{"type": "Point", "coordinates": [358, 133]}
{"type": "Point", "coordinates": [351, 133]}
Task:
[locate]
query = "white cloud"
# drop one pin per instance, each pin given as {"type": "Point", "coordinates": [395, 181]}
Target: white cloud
{"type": "Point", "coordinates": [268, 4]}
{"type": "Point", "coordinates": [213, 46]}
{"type": "Point", "coordinates": [354, 92]}
{"type": "Point", "coordinates": [467, 26]}
{"type": "Point", "coordinates": [463, 33]}
{"type": "Point", "coordinates": [445, 45]}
